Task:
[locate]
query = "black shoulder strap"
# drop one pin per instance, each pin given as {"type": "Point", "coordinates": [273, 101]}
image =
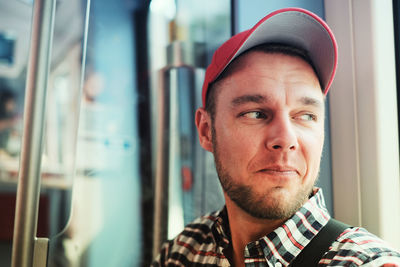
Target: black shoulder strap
{"type": "Point", "coordinates": [313, 252]}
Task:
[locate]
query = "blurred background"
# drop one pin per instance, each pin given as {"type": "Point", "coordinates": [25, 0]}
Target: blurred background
{"type": "Point", "coordinates": [122, 170]}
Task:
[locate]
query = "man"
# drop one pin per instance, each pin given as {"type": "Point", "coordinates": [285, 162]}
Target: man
{"type": "Point", "coordinates": [263, 119]}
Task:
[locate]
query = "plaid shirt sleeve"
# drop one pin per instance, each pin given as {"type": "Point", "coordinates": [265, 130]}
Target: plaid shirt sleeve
{"type": "Point", "coordinates": [358, 247]}
{"type": "Point", "coordinates": [201, 243]}
{"type": "Point", "coordinates": [162, 258]}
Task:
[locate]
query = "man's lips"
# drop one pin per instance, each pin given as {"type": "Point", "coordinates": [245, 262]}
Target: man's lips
{"type": "Point", "coordinates": [279, 170]}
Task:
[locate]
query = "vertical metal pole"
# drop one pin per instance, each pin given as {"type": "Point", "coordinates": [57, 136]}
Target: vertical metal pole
{"type": "Point", "coordinates": [26, 212]}
{"type": "Point", "coordinates": [162, 166]}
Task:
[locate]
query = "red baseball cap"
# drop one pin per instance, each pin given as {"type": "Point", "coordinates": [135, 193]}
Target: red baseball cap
{"type": "Point", "coordinates": [291, 26]}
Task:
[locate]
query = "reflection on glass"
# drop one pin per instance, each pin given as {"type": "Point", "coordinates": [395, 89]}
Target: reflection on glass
{"type": "Point", "coordinates": [98, 166]}
{"type": "Point", "coordinates": [104, 227]}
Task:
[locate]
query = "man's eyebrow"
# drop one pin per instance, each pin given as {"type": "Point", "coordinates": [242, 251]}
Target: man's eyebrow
{"type": "Point", "coordinates": [310, 101]}
{"type": "Point", "coordinates": [248, 98]}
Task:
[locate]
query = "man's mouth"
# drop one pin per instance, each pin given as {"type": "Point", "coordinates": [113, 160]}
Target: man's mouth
{"type": "Point", "coordinates": [279, 170]}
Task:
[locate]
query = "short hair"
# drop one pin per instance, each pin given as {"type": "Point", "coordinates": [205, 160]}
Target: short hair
{"type": "Point", "coordinates": [269, 48]}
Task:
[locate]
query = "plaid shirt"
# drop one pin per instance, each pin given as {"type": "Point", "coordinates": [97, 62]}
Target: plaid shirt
{"type": "Point", "coordinates": [203, 242]}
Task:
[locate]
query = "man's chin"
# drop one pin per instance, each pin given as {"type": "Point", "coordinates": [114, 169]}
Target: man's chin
{"type": "Point", "coordinates": [273, 208]}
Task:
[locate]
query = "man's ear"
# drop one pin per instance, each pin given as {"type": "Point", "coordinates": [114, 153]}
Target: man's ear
{"type": "Point", "coordinates": [203, 124]}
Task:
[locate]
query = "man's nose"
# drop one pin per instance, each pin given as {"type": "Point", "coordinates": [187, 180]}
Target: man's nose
{"type": "Point", "coordinates": [281, 135]}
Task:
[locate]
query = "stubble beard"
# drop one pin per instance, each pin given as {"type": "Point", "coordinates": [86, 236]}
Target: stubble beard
{"type": "Point", "coordinates": [258, 205]}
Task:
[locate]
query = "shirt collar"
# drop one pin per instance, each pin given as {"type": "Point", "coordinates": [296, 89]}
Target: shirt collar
{"type": "Point", "coordinates": [286, 242]}
{"type": "Point", "coordinates": [221, 230]}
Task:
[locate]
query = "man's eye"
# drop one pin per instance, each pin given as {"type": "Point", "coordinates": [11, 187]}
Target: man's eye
{"type": "Point", "coordinates": [254, 115]}
{"type": "Point", "coordinates": [308, 117]}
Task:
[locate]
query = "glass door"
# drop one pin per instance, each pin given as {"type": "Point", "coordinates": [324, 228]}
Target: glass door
{"type": "Point", "coordinates": [114, 88]}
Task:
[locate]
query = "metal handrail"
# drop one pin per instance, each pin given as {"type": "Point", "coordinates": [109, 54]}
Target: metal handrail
{"type": "Point", "coordinates": [26, 211]}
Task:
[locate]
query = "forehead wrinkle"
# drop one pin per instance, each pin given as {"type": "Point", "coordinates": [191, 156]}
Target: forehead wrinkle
{"type": "Point", "coordinates": [256, 98]}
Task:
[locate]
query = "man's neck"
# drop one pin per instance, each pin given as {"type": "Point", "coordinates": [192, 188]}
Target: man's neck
{"type": "Point", "coordinates": [245, 229]}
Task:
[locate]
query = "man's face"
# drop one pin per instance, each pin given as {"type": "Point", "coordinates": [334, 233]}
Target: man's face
{"type": "Point", "coordinates": [268, 132]}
